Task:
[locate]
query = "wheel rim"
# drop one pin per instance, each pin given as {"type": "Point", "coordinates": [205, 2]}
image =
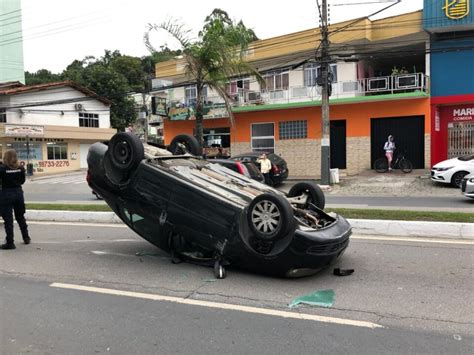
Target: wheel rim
{"type": "Point", "coordinates": [123, 152]}
{"type": "Point", "coordinates": [266, 217]}
{"type": "Point", "coordinates": [182, 148]}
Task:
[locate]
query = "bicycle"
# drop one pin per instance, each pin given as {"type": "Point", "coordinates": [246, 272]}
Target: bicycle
{"type": "Point", "coordinates": [381, 164]}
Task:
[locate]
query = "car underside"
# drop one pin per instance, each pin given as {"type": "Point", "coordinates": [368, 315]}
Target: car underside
{"type": "Point", "coordinates": [204, 213]}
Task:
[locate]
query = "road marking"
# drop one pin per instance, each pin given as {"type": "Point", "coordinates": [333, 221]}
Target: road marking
{"type": "Point", "coordinates": [218, 305]}
{"type": "Point", "coordinates": [415, 240]}
{"type": "Point", "coordinates": [100, 252]}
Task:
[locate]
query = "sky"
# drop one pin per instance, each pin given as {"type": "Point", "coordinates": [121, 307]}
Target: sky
{"type": "Point", "coordinates": [56, 32]}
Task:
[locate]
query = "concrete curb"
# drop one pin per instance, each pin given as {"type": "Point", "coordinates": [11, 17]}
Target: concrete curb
{"type": "Point", "coordinates": [449, 230]}
{"type": "Point", "coordinates": [360, 226]}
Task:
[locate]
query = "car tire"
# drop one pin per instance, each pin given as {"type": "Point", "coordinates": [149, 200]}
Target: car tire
{"type": "Point", "coordinates": [270, 217]}
{"type": "Point", "coordinates": [126, 151]}
{"type": "Point", "coordinates": [183, 144]}
{"type": "Point", "coordinates": [316, 195]}
{"type": "Point", "coordinates": [456, 180]}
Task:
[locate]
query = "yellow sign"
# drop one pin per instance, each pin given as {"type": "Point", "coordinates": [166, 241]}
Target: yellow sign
{"type": "Point", "coordinates": [456, 9]}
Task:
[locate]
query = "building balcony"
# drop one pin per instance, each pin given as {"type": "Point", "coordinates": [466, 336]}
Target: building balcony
{"type": "Point", "coordinates": [343, 89]}
{"type": "Point", "coordinates": [214, 106]}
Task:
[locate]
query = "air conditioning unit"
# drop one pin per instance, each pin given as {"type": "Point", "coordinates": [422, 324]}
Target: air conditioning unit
{"type": "Point", "coordinates": [79, 107]}
{"type": "Point", "coordinates": [254, 96]}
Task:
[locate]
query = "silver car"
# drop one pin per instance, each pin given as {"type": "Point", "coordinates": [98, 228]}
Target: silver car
{"type": "Point", "coordinates": [467, 186]}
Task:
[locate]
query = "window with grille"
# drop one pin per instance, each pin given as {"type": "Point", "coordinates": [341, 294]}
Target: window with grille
{"type": "Point", "coordinates": [3, 115]}
{"type": "Point", "coordinates": [293, 129]}
{"type": "Point", "coordinates": [263, 137]}
{"type": "Point", "coordinates": [190, 94]}
{"type": "Point", "coordinates": [88, 119]}
{"type": "Point", "coordinates": [57, 151]}
{"type": "Point", "coordinates": [277, 81]}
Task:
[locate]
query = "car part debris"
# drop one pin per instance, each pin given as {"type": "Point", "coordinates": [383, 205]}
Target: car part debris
{"type": "Point", "coordinates": [343, 272]}
{"type": "Point", "coordinates": [324, 298]}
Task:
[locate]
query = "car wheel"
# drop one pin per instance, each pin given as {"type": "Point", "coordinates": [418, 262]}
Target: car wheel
{"type": "Point", "coordinates": [126, 151]}
{"type": "Point", "coordinates": [456, 180]}
{"type": "Point", "coordinates": [270, 217]}
{"type": "Point", "coordinates": [315, 194]}
{"type": "Point", "coordinates": [183, 144]}
{"type": "Point", "coordinates": [219, 271]}
{"type": "Point", "coordinates": [381, 165]}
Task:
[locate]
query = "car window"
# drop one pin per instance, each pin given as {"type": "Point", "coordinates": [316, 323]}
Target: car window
{"type": "Point", "coordinates": [275, 159]}
{"type": "Point", "coordinates": [466, 158]}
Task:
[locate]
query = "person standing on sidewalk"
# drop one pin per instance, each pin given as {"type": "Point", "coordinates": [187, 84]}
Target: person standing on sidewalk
{"type": "Point", "coordinates": [389, 148]}
{"type": "Point", "coordinates": [12, 176]}
{"type": "Point", "coordinates": [265, 167]}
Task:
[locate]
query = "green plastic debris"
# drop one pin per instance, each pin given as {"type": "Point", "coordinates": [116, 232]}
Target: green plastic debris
{"type": "Point", "coordinates": [323, 298]}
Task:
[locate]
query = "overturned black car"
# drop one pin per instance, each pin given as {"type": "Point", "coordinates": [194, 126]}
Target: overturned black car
{"type": "Point", "coordinates": [207, 214]}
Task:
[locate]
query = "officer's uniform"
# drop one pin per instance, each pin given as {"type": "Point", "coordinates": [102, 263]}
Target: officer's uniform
{"type": "Point", "coordinates": [12, 199]}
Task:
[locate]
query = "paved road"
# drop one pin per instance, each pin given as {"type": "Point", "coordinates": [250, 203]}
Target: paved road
{"type": "Point", "coordinates": [73, 189]}
{"type": "Point", "coordinates": [420, 292]}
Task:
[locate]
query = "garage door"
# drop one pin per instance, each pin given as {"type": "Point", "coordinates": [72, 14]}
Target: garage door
{"type": "Point", "coordinates": [409, 138]}
{"type": "Point", "coordinates": [84, 151]}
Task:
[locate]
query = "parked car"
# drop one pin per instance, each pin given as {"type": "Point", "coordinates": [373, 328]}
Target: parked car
{"type": "Point", "coordinates": [467, 186]}
{"type": "Point", "coordinates": [452, 171]}
{"type": "Point", "coordinates": [201, 212]}
{"type": "Point", "coordinates": [246, 168]}
{"type": "Point", "coordinates": [279, 172]}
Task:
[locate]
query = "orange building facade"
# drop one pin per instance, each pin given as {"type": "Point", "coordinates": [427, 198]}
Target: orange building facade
{"type": "Point", "coordinates": [358, 131]}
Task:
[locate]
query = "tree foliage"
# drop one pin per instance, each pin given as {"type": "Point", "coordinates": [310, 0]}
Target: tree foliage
{"type": "Point", "coordinates": [217, 55]}
{"type": "Point", "coordinates": [113, 76]}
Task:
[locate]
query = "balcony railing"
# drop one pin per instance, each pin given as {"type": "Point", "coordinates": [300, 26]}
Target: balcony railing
{"type": "Point", "coordinates": [342, 89]}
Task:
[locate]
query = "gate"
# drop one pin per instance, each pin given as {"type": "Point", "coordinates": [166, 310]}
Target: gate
{"type": "Point", "coordinates": [460, 139]}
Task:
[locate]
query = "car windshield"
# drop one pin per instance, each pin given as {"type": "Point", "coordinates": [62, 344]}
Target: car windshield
{"type": "Point", "coordinates": [466, 158]}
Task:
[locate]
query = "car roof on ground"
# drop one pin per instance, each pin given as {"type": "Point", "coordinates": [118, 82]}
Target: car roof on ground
{"type": "Point", "coordinates": [251, 154]}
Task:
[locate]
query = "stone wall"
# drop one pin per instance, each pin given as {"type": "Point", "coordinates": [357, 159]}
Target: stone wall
{"type": "Point", "coordinates": [357, 154]}
{"type": "Point", "coordinates": [427, 151]}
{"type": "Point", "coordinates": [301, 155]}
{"type": "Point", "coordinates": [239, 148]}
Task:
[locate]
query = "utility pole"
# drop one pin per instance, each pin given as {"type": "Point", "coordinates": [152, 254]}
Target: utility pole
{"type": "Point", "coordinates": [325, 137]}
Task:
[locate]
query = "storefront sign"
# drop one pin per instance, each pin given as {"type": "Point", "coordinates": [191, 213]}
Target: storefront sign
{"type": "Point", "coordinates": [179, 113]}
{"type": "Point", "coordinates": [437, 121]}
{"type": "Point", "coordinates": [463, 114]}
{"type": "Point", "coordinates": [215, 111]}
{"type": "Point", "coordinates": [161, 108]}
{"type": "Point", "coordinates": [456, 9]}
{"type": "Point", "coordinates": [22, 131]}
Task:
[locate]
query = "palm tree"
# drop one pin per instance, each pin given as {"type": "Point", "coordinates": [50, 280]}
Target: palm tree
{"type": "Point", "coordinates": [217, 55]}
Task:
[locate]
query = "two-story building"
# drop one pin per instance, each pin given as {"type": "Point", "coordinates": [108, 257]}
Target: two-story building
{"type": "Point", "coordinates": [52, 126]}
{"type": "Point", "coordinates": [380, 81]}
{"type": "Point", "coordinates": [451, 29]}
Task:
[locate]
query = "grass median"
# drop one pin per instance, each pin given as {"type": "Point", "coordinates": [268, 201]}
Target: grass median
{"type": "Point", "coordinates": [355, 213]}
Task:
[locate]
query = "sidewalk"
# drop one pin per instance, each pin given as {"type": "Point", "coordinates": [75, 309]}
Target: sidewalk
{"type": "Point", "coordinates": [396, 183]}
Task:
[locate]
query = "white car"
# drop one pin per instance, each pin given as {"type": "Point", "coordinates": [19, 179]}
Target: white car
{"type": "Point", "coordinates": [467, 186]}
{"type": "Point", "coordinates": [452, 171]}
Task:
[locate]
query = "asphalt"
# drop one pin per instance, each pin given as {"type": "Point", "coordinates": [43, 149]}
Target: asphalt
{"type": "Point", "coordinates": [420, 291]}
{"type": "Point", "coordinates": [54, 321]}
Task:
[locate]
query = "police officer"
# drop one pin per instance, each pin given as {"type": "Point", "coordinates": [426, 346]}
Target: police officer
{"type": "Point", "coordinates": [12, 176]}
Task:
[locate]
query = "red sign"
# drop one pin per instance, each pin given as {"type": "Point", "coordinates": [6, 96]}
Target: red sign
{"type": "Point", "coordinates": [459, 113]}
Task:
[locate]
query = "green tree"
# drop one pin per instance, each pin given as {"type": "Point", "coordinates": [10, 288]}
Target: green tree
{"type": "Point", "coordinates": [217, 55]}
{"type": "Point", "coordinates": [42, 76]}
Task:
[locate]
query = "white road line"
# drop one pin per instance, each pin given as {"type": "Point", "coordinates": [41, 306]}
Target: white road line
{"type": "Point", "coordinates": [218, 305]}
{"type": "Point", "coordinates": [415, 240]}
